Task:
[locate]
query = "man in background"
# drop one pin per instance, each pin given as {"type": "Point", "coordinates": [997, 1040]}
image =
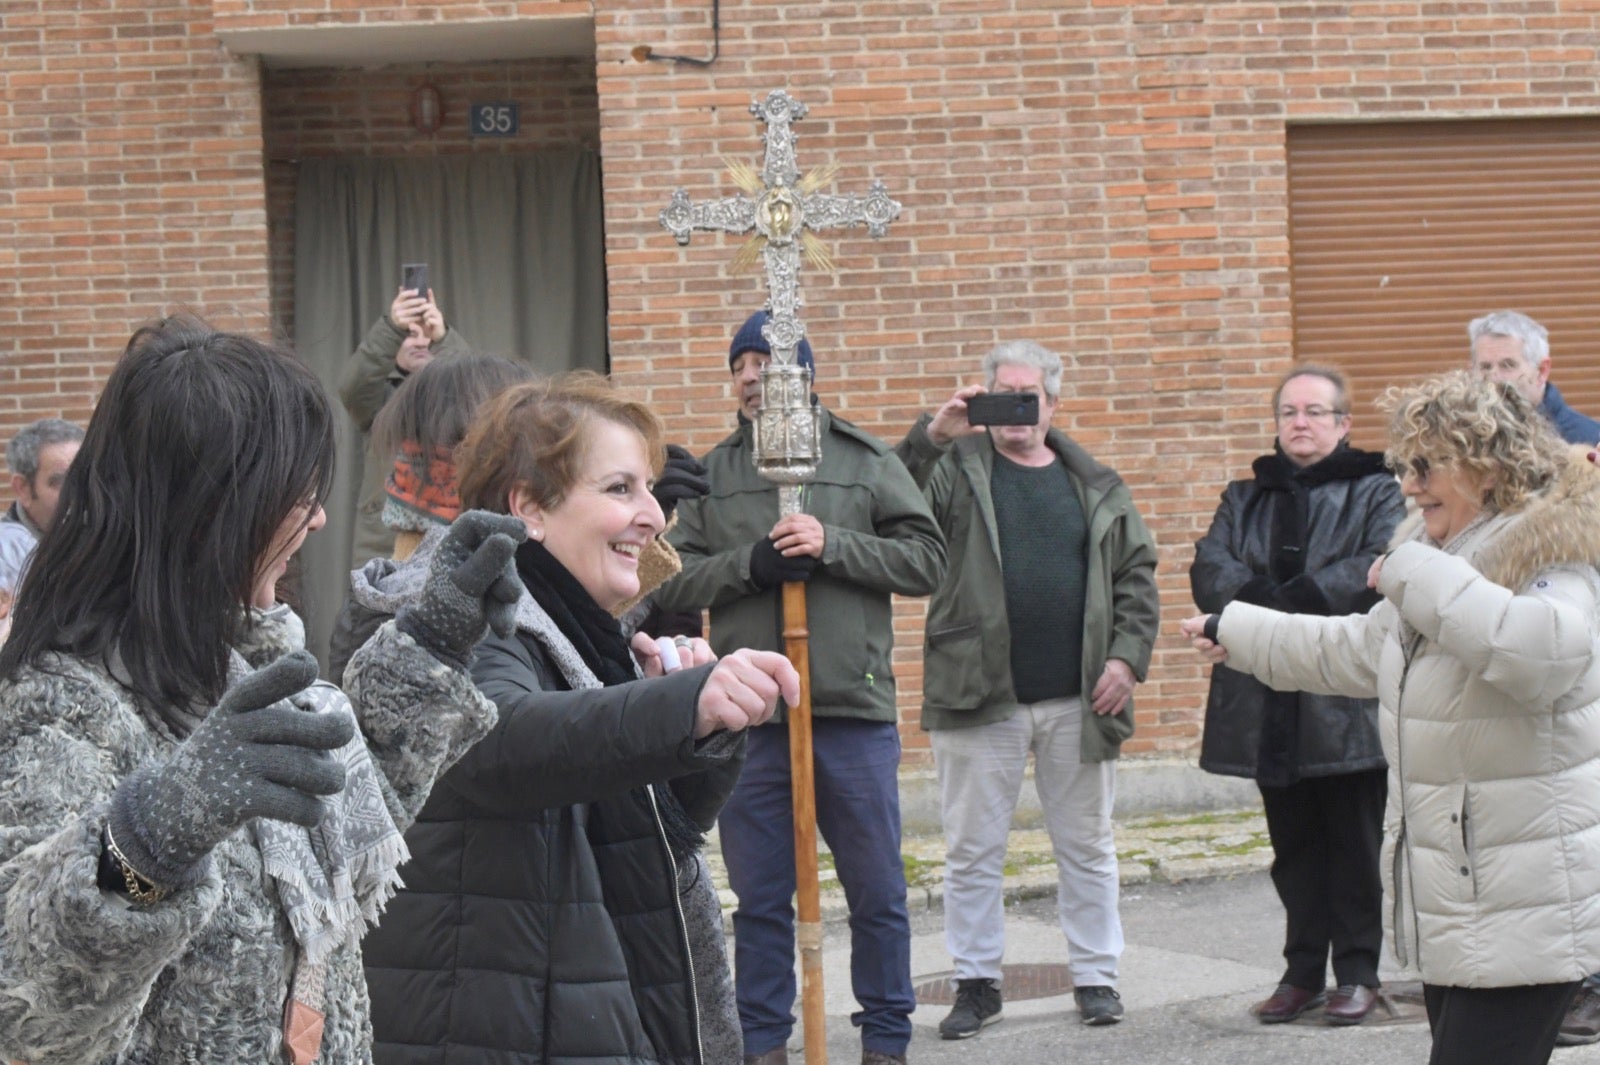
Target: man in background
{"type": "Point", "coordinates": [38, 458]}
{"type": "Point", "coordinates": [1513, 349]}
{"type": "Point", "coordinates": [865, 534]}
{"type": "Point", "coordinates": [1035, 642]}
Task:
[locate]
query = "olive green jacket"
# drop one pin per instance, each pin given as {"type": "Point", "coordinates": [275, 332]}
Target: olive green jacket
{"type": "Point", "coordinates": [366, 382]}
{"type": "Point", "coordinates": [966, 677]}
{"type": "Point", "coordinates": [879, 539]}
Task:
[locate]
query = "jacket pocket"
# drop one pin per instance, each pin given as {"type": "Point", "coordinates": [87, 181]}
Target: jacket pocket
{"type": "Point", "coordinates": [953, 674]}
{"type": "Point", "coordinates": [1467, 849]}
{"type": "Point", "coordinates": [1465, 872]}
{"type": "Point", "coordinates": [1114, 727]}
{"type": "Point", "coordinates": [952, 632]}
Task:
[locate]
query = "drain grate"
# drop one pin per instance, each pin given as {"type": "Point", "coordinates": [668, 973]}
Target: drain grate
{"type": "Point", "coordinates": [1020, 982]}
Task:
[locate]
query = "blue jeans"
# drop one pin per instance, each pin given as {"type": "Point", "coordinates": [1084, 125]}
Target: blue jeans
{"type": "Point", "coordinates": [858, 814]}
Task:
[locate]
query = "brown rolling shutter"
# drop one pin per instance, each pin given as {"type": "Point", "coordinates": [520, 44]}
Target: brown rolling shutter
{"type": "Point", "coordinates": [1401, 233]}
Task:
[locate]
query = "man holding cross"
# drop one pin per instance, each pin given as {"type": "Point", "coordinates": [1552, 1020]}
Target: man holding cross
{"type": "Point", "coordinates": [865, 534]}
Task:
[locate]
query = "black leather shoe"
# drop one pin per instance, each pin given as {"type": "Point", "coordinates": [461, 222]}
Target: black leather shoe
{"type": "Point", "coordinates": [1581, 1025]}
{"type": "Point", "coordinates": [1350, 1004]}
{"type": "Point", "coordinates": [1287, 1003]}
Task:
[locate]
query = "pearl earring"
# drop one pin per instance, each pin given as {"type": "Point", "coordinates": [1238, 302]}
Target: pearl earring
{"type": "Point", "coordinates": [538, 534]}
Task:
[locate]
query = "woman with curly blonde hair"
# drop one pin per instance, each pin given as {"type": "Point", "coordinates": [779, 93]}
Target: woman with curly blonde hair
{"type": "Point", "coordinates": [1484, 654]}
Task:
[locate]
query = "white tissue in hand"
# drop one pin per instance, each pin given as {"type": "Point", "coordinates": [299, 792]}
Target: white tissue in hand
{"type": "Point", "coordinates": [669, 654]}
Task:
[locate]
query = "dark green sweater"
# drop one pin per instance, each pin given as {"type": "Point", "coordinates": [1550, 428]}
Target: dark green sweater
{"type": "Point", "coordinates": [1043, 538]}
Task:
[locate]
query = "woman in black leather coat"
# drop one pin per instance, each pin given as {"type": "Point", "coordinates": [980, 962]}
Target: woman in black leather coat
{"type": "Point", "coordinates": [1300, 536]}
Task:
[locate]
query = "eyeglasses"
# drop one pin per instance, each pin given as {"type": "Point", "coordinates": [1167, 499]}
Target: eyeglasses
{"type": "Point", "coordinates": [1311, 414]}
{"type": "Point", "coordinates": [1417, 468]}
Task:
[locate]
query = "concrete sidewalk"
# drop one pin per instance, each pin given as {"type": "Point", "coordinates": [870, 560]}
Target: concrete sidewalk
{"type": "Point", "coordinates": [1170, 849]}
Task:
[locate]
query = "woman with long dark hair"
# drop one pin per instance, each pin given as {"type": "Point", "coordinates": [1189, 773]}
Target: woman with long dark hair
{"type": "Point", "coordinates": [194, 834]}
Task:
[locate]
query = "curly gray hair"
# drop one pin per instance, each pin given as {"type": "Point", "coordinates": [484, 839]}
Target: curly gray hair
{"type": "Point", "coordinates": [1025, 353]}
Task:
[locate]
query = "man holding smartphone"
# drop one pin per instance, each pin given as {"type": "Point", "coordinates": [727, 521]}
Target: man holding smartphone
{"type": "Point", "coordinates": [400, 343]}
{"type": "Point", "coordinates": [1034, 647]}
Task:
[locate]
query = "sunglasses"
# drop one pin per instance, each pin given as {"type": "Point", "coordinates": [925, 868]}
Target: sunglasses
{"type": "Point", "coordinates": [1417, 468]}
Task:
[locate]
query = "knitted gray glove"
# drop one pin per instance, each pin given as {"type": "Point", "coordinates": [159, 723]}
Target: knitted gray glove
{"type": "Point", "coordinates": [472, 582]}
{"type": "Point", "coordinates": [255, 755]}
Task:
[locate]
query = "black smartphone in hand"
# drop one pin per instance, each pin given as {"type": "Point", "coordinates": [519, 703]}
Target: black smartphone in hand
{"type": "Point", "coordinates": [1003, 408]}
{"type": "Point", "coordinates": [414, 276]}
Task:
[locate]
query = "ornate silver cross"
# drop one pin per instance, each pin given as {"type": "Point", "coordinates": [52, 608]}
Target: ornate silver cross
{"type": "Point", "coordinates": [783, 208]}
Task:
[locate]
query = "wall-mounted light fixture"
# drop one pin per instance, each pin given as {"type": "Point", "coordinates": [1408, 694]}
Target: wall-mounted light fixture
{"type": "Point", "coordinates": [427, 108]}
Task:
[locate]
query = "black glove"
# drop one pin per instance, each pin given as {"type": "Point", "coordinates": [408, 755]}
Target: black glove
{"type": "Point", "coordinates": [770, 568]}
{"type": "Point", "coordinates": [681, 478]}
{"type": "Point", "coordinates": [255, 755]}
{"type": "Point", "coordinates": [472, 582]}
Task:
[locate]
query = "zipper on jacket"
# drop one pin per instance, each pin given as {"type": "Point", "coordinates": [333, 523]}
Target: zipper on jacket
{"type": "Point", "coordinates": [683, 925]}
{"type": "Point", "coordinates": [1401, 845]}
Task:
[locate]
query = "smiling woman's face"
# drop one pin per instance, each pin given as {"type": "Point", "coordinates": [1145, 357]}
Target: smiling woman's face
{"type": "Point", "coordinates": [1448, 498]}
{"type": "Point", "coordinates": [606, 517]}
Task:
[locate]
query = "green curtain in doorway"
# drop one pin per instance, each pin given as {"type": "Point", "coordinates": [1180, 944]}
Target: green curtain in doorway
{"type": "Point", "coordinates": [516, 259]}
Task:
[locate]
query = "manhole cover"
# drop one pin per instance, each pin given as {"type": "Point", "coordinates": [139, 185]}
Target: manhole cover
{"type": "Point", "coordinates": [1020, 982]}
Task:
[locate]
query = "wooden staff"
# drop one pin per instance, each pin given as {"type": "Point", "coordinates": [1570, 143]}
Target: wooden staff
{"type": "Point", "coordinates": [803, 787]}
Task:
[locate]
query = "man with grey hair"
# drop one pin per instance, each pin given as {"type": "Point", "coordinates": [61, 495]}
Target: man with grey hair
{"type": "Point", "coordinates": [1513, 349]}
{"type": "Point", "coordinates": [1035, 639]}
{"type": "Point", "coordinates": [38, 458]}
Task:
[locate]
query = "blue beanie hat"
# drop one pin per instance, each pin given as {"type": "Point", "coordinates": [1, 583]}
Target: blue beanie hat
{"type": "Point", "coordinates": [749, 338]}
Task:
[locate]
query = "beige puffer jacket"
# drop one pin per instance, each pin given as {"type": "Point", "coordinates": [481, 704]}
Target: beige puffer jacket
{"type": "Point", "coordinates": [1486, 664]}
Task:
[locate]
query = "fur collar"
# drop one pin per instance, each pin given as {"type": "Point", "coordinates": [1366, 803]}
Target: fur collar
{"type": "Point", "coordinates": [1559, 526]}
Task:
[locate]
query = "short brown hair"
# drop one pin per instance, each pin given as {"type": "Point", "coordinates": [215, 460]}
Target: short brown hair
{"type": "Point", "coordinates": [1332, 375]}
{"type": "Point", "coordinates": [536, 434]}
{"type": "Point", "coordinates": [1483, 428]}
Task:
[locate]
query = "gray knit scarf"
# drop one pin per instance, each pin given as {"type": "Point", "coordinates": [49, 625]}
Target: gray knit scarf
{"type": "Point", "coordinates": [333, 880]}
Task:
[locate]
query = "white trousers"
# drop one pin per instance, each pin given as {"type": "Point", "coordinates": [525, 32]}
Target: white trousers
{"type": "Point", "coordinates": [980, 780]}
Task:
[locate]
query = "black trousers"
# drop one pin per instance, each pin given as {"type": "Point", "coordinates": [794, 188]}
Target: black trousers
{"type": "Point", "coordinates": [1495, 1025]}
{"type": "Point", "coordinates": [1326, 834]}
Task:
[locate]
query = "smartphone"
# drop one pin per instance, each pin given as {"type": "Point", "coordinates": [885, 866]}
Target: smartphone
{"type": "Point", "coordinates": [414, 276]}
{"type": "Point", "coordinates": [1004, 408]}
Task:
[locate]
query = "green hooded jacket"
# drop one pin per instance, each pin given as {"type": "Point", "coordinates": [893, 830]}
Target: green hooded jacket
{"type": "Point", "coordinates": [879, 539]}
{"type": "Point", "coordinates": [966, 677]}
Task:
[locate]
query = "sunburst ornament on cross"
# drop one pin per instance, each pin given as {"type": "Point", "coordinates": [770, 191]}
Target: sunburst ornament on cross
{"type": "Point", "coordinates": [784, 210]}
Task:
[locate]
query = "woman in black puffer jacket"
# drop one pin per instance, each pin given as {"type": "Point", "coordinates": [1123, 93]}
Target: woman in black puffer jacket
{"type": "Point", "coordinates": [543, 918]}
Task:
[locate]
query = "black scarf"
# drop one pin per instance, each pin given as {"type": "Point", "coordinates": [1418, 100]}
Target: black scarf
{"type": "Point", "coordinates": [598, 639]}
{"type": "Point", "coordinates": [1277, 758]}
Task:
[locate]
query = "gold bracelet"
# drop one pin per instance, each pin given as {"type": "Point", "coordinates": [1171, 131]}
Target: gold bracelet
{"type": "Point", "coordinates": [140, 888]}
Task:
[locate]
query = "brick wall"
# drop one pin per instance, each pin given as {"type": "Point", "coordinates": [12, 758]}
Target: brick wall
{"type": "Point", "coordinates": [326, 112]}
{"type": "Point", "coordinates": [130, 185]}
{"type": "Point", "coordinates": [1105, 177]}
